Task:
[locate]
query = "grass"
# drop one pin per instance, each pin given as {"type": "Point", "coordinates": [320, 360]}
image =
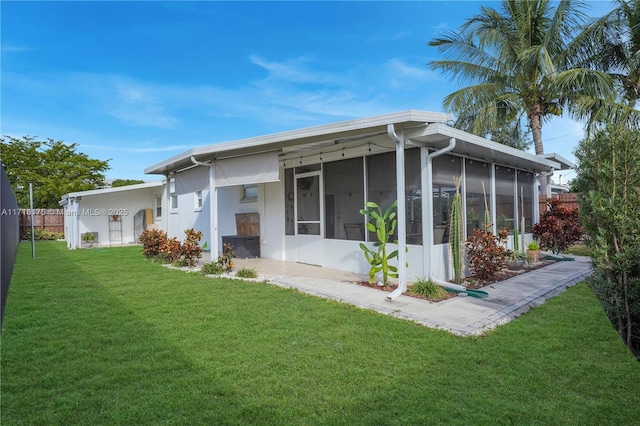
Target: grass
{"type": "Point", "coordinates": [103, 336]}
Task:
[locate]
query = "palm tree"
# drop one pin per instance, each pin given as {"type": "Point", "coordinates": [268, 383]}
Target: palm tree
{"type": "Point", "coordinates": [612, 44]}
{"type": "Point", "coordinates": [517, 64]}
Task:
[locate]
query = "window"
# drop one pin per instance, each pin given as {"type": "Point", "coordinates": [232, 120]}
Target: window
{"type": "Point", "coordinates": [413, 195]}
{"type": "Point", "coordinates": [381, 180]}
{"type": "Point", "coordinates": [445, 168]}
{"type": "Point", "coordinates": [198, 200]}
{"type": "Point", "coordinates": [174, 198]}
{"type": "Point", "coordinates": [289, 206]}
{"type": "Point", "coordinates": [505, 186]}
{"type": "Point", "coordinates": [159, 207]}
{"type": "Point", "coordinates": [344, 197]}
{"type": "Point", "coordinates": [249, 193]}
{"type": "Point", "coordinates": [525, 191]}
{"type": "Point", "coordinates": [478, 193]}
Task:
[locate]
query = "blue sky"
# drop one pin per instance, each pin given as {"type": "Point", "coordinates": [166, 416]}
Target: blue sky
{"type": "Point", "coordinates": [138, 82]}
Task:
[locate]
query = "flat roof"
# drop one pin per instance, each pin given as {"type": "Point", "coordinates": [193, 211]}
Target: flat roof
{"type": "Point", "coordinates": [419, 127]}
{"type": "Point", "coordinates": [138, 186]}
{"type": "Point", "coordinates": [304, 136]}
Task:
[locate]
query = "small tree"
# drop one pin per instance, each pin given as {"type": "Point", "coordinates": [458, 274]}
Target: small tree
{"type": "Point", "coordinates": [559, 227]}
{"type": "Point", "coordinates": [54, 168]}
{"type": "Point", "coordinates": [608, 170]}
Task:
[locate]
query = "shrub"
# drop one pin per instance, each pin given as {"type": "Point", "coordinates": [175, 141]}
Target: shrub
{"type": "Point", "coordinates": [43, 234]}
{"type": "Point", "coordinates": [191, 251]}
{"type": "Point", "coordinates": [225, 260]}
{"type": "Point", "coordinates": [427, 288]}
{"type": "Point", "coordinates": [247, 273]}
{"type": "Point", "coordinates": [486, 252]}
{"type": "Point", "coordinates": [211, 268]}
{"type": "Point", "coordinates": [152, 241]}
{"type": "Point", "coordinates": [559, 227]}
{"type": "Point", "coordinates": [171, 250]}
{"type": "Point", "coordinates": [608, 164]}
{"type": "Point", "coordinates": [180, 262]}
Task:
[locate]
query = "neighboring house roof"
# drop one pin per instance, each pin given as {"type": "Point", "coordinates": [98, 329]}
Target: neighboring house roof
{"type": "Point", "coordinates": [418, 126]}
{"type": "Point", "coordinates": [111, 190]}
{"type": "Point", "coordinates": [564, 163]}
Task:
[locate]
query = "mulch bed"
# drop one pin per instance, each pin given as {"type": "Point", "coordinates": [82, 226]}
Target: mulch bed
{"type": "Point", "coordinates": [471, 283]}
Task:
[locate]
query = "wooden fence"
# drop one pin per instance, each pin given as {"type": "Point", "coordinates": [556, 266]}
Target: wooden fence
{"type": "Point", "coordinates": [569, 200]}
{"type": "Point", "coordinates": [50, 219]}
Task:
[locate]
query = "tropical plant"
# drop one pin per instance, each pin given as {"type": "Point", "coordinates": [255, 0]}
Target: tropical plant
{"type": "Point", "coordinates": [211, 268]}
{"type": "Point", "coordinates": [427, 288]}
{"type": "Point", "coordinates": [456, 233]}
{"type": "Point", "coordinates": [559, 227]}
{"type": "Point", "coordinates": [88, 237]}
{"type": "Point", "coordinates": [247, 273]}
{"type": "Point", "coordinates": [152, 241]}
{"type": "Point", "coordinates": [486, 252]}
{"type": "Point", "coordinates": [533, 245]}
{"type": "Point", "coordinates": [383, 225]}
{"type": "Point", "coordinates": [191, 250]}
{"type": "Point", "coordinates": [225, 260]}
{"type": "Point", "coordinates": [612, 44]}
{"type": "Point", "coordinates": [517, 64]}
{"type": "Point", "coordinates": [171, 250]}
{"type": "Point", "coordinates": [608, 165]}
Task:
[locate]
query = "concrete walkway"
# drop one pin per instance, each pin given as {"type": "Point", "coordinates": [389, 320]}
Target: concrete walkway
{"type": "Point", "coordinates": [463, 316]}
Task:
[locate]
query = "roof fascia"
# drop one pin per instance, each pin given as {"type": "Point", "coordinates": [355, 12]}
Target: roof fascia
{"type": "Point", "coordinates": [435, 129]}
{"type": "Point", "coordinates": [302, 136]}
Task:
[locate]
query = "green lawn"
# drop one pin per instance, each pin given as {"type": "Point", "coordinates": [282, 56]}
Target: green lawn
{"type": "Point", "coordinates": [103, 336]}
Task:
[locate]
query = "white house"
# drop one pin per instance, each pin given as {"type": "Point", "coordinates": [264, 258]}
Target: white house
{"type": "Point", "coordinates": [116, 216]}
{"type": "Point", "coordinates": [307, 187]}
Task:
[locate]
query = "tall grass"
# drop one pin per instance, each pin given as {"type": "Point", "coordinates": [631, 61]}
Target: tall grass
{"type": "Point", "coordinates": [103, 336]}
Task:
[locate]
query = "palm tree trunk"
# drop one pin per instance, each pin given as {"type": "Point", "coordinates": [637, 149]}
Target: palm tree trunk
{"type": "Point", "coordinates": [535, 124]}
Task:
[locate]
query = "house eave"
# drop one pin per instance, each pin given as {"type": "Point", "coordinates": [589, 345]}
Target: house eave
{"type": "Point", "coordinates": [310, 135]}
{"type": "Point", "coordinates": [146, 185]}
{"type": "Point", "coordinates": [437, 135]}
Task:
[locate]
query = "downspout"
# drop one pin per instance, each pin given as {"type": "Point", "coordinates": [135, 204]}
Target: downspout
{"type": "Point", "coordinates": [427, 218]}
{"type": "Point", "coordinates": [213, 207]}
{"type": "Point", "coordinates": [401, 210]}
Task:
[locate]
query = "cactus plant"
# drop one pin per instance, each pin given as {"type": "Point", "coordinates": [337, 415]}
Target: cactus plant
{"type": "Point", "coordinates": [456, 233]}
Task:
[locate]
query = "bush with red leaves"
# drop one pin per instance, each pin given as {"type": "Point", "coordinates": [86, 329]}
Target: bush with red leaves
{"type": "Point", "coordinates": [559, 227]}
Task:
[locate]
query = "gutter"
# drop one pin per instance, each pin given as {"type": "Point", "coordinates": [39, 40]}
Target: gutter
{"type": "Point", "coordinates": [401, 214]}
{"type": "Point", "coordinates": [427, 218]}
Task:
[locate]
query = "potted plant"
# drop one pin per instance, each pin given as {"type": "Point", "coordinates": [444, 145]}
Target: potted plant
{"type": "Point", "coordinates": [533, 250]}
{"type": "Point", "coordinates": [88, 239]}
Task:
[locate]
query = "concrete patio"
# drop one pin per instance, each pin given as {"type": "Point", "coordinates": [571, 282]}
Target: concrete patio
{"type": "Point", "coordinates": [463, 316]}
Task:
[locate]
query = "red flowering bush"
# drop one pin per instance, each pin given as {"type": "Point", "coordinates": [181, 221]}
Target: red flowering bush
{"type": "Point", "coordinates": [559, 227]}
{"type": "Point", "coordinates": [486, 252]}
{"type": "Point", "coordinates": [152, 241]}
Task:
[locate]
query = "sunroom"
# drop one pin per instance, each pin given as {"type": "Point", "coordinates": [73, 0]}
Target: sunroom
{"type": "Point", "coordinates": [309, 205]}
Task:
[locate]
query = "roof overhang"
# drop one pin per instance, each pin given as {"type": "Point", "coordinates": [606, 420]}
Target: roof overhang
{"type": "Point", "coordinates": [113, 190]}
{"type": "Point", "coordinates": [306, 138]}
{"type": "Point", "coordinates": [564, 163]}
{"type": "Point", "coordinates": [437, 136]}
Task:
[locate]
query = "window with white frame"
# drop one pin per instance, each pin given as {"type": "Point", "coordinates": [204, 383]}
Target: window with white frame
{"type": "Point", "coordinates": [198, 200]}
{"type": "Point", "coordinates": [174, 196]}
{"type": "Point", "coordinates": [249, 193]}
{"type": "Point", "coordinates": [159, 207]}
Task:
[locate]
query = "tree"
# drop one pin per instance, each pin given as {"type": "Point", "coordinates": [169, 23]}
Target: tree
{"type": "Point", "coordinates": [612, 44]}
{"type": "Point", "coordinates": [125, 182]}
{"type": "Point", "coordinates": [518, 65]}
{"type": "Point", "coordinates": [608, 165]}
{"type": "Point", "coordinates": [53, 167]}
